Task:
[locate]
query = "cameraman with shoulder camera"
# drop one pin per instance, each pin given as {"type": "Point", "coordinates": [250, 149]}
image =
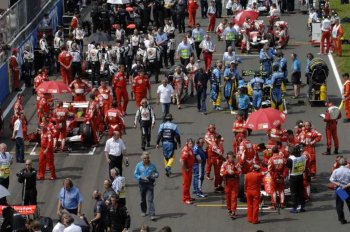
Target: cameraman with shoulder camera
{"type": "Point", "coordinates": [27, 177]}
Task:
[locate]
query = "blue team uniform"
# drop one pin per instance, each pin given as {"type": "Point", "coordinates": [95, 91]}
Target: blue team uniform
{"type": "Point", "coordinates": [198, 169]}
{"type": "Point", "coordinates": [257, 85]}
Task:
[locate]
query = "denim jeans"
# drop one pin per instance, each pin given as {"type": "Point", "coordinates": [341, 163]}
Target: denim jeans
{"type": "Point", "coordinates": [201, 100]}
{"type": "Point", "coordinates": [198, 176]}
{"type": "Point", "coordinates": [165, 109]}
{"type": "Point", "coordinates": [147, 194]}
{"type": "Point", "coordinates": [257, 98]}
{"type": "Point", "coordinates": [340, 205]}
{"type": "Point", "coordinates": [19, 149]}
{"type": "Point", "coordinates": [277, 95]}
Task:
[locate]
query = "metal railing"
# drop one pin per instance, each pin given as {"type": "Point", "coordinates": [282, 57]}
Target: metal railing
{"type": "Point", "coordinates": [17, 17]}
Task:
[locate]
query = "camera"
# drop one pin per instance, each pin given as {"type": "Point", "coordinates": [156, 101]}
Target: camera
{"type": "Point", "coordinates": [19, 174]}
{"type": "Point", "coordinates": [151, 179]}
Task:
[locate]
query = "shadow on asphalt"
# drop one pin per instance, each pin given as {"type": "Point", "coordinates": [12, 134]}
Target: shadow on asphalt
{"type": "Point", "coordinates": [170, 215]}
{"type": "Point", "coordinates": [321, 208]}
{"type": "Point", "coordinates": [185, 123]}
{"type": "Point", "coordinates": [296, 112]}
{"type": "Point", "coordinates": [325, 197]}
{"type": "Point", "coordinates": [175, 175]}
{"type": "Point", "coordinates": [73, 177]}
{"type": "Point", "coordinates": [345, 152]}
{"type": "Point", "coordinates": [291, 47]}
{"type": "Point", "coordinates": [272, 220]}
{"type": "Point", "coordinates": [69, 169]}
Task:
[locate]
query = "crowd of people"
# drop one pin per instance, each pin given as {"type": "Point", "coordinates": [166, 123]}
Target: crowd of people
{"type": "Point", "coordinates": [288, 158]}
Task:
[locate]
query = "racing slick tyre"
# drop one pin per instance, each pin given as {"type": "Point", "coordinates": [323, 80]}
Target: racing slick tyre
{"type": "Point", "coordinates": [86, 133]}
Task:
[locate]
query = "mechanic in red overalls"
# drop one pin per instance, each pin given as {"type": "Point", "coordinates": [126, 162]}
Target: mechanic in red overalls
{"type": "Point", "coordinates": [216, 152]}
{"type": "Point", "coordinates": [119, 86]}
{"type": "Point", "coordinates": [107, 97]}
{"type": "Point", "coordinates": [331, 118]}
{"type": "Point", "coordinates": [18, 106]}
{"type": "Point", "coordinates": [239, 131]}
{"type": "Point", "coordinates": [187, 160]}
{"type": "Point", "coordinates": [60, 115]}
{"type": "Point", "coordinates": [192, 7]}
{"type": "Point", "coordinates": [247, 156]}
{"type": "Point", "coordinates": [140, 86]}
{"type": "Point", "coordinates": [114, 121]}
{"type": "Point", "coordinates": [91, 116]}
{"type": "Point", "coordinates": [276, 168]}
{"type": "Point", "coordinates": [79, 88]}
{"type": "Point", "coordinates": [209, 139]}
{"type": "Point", "coordinates": [276, 134]}
{"type": "Point", "coordinates": [310, 137]}
{"type": "Point", "coordinates": [230, 171]}
{"type": "Point", "coordinates": [44, 106]}
{"type": "Point", "coordinates": [252, 186]}
{"type": "Point", "coordinates": [46, 155]}
{"type": "Point", "coordinates": [14, 69]}
{"type": "Point", "coordinates": [65, 59]}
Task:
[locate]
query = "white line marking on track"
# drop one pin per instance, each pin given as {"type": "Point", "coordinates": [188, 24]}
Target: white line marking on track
{"type": "Point", "coordinates": [93, 151]}
{"type": "Point", "coordinates": [33, 150]}
{"type": "Point", "coordinates": [9, 107]}
{"type": "Point", "coordinates": [336, 73]}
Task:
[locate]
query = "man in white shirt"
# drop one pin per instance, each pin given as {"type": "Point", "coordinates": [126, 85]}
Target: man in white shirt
{"type": "Point", "coordinates": [208, 47]}
{"type": "Point", "coordinates": [18, 136]}
{"type": "Point", "coordinates": [78, 35]}
{"type": "Point", "coordinates": [70, 226]}
{"type": "Point", "coordinates": [65, 224]}
{"type": "Point", "coordinates": [118, 185]}
{"type": "Point", "coordinates": [115, 149]}
{"type": "Point", "coordinates": [164, 93]}
{"type": "Point", "coordinates": [326, 35]}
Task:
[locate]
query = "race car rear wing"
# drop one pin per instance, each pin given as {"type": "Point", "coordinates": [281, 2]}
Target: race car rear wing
{"type": "Point", "coordinates": [246, 73]}
{"type": "Point", "coordinates": [84, 104]}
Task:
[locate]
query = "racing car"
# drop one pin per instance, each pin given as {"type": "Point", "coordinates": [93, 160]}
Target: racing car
{"type": "Point", "coordinates": [79, 132]}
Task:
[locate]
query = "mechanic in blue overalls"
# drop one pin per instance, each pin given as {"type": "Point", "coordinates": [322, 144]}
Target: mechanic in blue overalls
{"type": "Point", "coordinates": [199, 167]}
{"type": "Point", "coordinates": [276, 92]}
{"type": "Point", "coordinates": [215, 86]}
{"type": "Point", "coordinates": [243, 100]}
{"type": "Point", "coordinates": [266, 57]}
{"type": "Point", "coordinates": [257, 84]}
{"type": "Point", "coordinates": [231, 78]}
{"type": "Point", "coordinates": [283, 64]}
{"type": "Point", "coordinates": [170, 137]}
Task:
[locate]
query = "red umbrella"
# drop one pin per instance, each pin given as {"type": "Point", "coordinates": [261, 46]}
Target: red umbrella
{"type": "Point", "coordinates": [264, 119]}
{"type": "Point", "coordinates": [131, 26]}
{"type": "Point", "coordinates": [241, 16]}
{"type": "Point", "coordinates": [53, 87]}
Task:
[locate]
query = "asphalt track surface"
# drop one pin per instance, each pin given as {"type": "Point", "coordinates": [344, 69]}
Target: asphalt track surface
{"type": "Point", "coordinates": [89, 171]}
